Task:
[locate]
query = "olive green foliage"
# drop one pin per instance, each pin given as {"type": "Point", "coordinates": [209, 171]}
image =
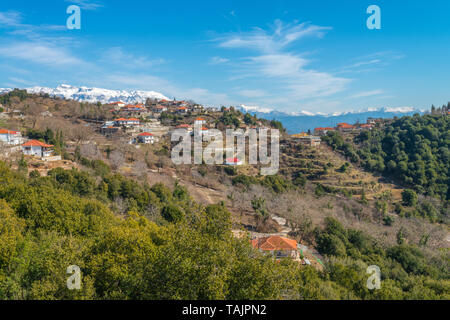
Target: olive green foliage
{"type": "Point", "coordinates": [109, 227]}
{"type": "Point", "coordinates": [407, 272]}
{"type": "Point", "coordinates": [413, 150]}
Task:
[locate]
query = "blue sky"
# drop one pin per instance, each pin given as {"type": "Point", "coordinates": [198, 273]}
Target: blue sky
{"type": "Point", "coordinates": [317, 56]}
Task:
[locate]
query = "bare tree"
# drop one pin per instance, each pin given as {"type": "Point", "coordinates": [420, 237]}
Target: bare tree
{"type": "Point", "coordinates": [117, 159]}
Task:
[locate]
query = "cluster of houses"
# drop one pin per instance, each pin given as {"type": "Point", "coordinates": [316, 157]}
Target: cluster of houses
{"type": "Point", "coordinates": [14, 139]}
{"type": "Point", "coordinates": [346, 128]}
{"type": "Point", "coordinates": [313, 140]}
{"type": "Point", "coordinates": [174, 106]}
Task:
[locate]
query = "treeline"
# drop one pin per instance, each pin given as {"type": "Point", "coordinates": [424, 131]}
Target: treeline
{"type": "Point", "coordinates": [412, 150]}
{"type": "Point", "coordinates": [136, 241]}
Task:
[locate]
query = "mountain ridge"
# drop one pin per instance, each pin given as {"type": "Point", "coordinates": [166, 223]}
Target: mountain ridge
{"type": "Point", "coordinates": [93, 94]}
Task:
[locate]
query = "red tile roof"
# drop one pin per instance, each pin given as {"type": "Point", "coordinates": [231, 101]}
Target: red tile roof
{"type": "Point", "coordinates": [5, 131]}
{"type": "Point", "coordinates": [183, 126]}
{"type": "Point", "coordinates": [146, 134]}
{"type": "Point", "coordinates": [345, 125]}
{"type": "Point", "coordinates": [324, 129]}
{"type": "Point", "coordinates": [36, 143]}
{"type": "Point", "coordinates": [123, 119]}
{"type": "Point", "coordinates": [274, 243]}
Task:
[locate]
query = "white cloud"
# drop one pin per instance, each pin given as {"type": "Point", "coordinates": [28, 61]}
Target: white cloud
{"type": "Point", "coordinates": [218, 60]}
{"type": "Point", "coordinates": [10, 19]}
{"type": "Point", "coordinates": [252, 93]}
{"type": "Point", "coordinates": [288, 74]}
{"type": "Point", "coordinates": [86, 4]}
{"type": "Point", "coordinates": [41, 53]}
{"type": "Point", "coordinates": [367, 93]}
{"type": "Point", "coordinates": [117, 55]}
{"type": "Point", "coordinates": [281, 36]}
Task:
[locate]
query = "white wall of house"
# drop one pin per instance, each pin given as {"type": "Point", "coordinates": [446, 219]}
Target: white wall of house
{"type": "Point", "coordinates": [146, 139]}
{"type": "Point", "coordinates": [11, 139]}
{"type": "Point", "coordinates": [36, 151]}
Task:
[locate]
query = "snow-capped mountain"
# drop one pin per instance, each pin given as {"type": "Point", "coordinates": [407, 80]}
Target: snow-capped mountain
{"type": "Point", "coordinates": [303, 120]}
{"type": "Point", "coordinates": [5, 90]}
{"type": "Point", "coordinates": [86, 94]}
{"type": "Point", "coordinates": [93, 95]}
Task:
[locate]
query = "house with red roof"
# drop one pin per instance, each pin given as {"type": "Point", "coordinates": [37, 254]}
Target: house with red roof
{"type": "Point", "coordinates": [184, 127]}
{"type": "Point", "coordinates": [366, 126]}
{"type": "Point", "coordinates": [117, 105]}
{"type": "Point", "coordinates": [279, 247]}
{"type": "Point", "coordinates": [200, 121]}
{"type": "Point", "coordinates": [37, 148]}
{"type": "Point", "coordinates": [132, 122]}
{"type": "Point", "coordinates": [159, 109]}
{"type": "Point", "coordinates": [322, 131]}
{"type": "Point", "coordinates": [233, 162]}
{"type": "Point", "coordinates": [10, 137]}
{"type": "Point", "coordinates": [182, 110]}
{"type": "Point", "coordinates": [146, 137]}
{"type": "Point", "coordinates": [345, 127]}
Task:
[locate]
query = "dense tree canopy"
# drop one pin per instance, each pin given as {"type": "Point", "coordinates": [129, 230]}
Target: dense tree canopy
{"type": "Point", "coordinates": [135, 241]}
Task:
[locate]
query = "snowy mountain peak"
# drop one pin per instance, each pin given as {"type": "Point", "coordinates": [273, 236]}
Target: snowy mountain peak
{"type": "Point", "coordinates": [86, 94]}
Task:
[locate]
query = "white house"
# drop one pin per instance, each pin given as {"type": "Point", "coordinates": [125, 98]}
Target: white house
{"type": "Point", "coordinates": [159, 109]}
{"type": "Point", "coordinates": [182, 110]}
{"type": "Point", "coordinates": [184, 127]}
{"type": "Point", "coordinates": [127, 122]}
{"type": "Point", "coordinates": [10, 137]}
{"type": "Point", "coordinates": [200, 121]}
{"type": "Point", "coordinates": [37, 148]}
{"type": "Point", "coordinates": [146, 137]}
{"type": "Point", "coordinates": [233, 162]}
{"type": "Point", "coordinates": [117, 105]}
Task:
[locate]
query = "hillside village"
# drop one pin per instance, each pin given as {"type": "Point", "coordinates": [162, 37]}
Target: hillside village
{"type": "Point", "coordinates": [99, 131]}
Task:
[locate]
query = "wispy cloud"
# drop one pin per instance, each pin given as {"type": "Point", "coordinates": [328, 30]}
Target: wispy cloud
{"type": "Point", "coordinates": [288, 74]}
{"type": "Point", "coordinates": [86, 4]}
{"type": "Point", "coordinates": [218, 60]}
{"type": "Point", "coordinates": [118, 56]}
{"type": "Point", "coordinates": [10, 19]}
{"type": "Point", "coordinates": [372, 62]}
{"type": "Point", "coordinates": [367, 94]}
{"type": "Point", "coordinates": [275, 40]}
{"type": "Point", "coordinates": [41, 53]}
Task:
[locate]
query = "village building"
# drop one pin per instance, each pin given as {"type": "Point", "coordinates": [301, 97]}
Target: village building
{"type": "Point", "coordinates": [132, 122]}
{"type": "Point", "coordinates": [109, 128]}
{"type": "Point", "coordinates": [10, 137]}
{"type": "Point", "coordinates": [310, 141]}
{"type": "Point", "coordinates": [233, 161]}
{"type": "Point", "coordinates": [117, 105]}
{"type": "Point", "coordinates": [200, 121]}
{"type": "Point", "coordinates": [299, 135]}
{"type": "Point", "coordinates": [345, 127]}
{"type": "Point", "coordinates": [374, 121]}
{"type": "Point", "coordinates": [146, 137]}
{"type": "Point", "coordinates": [279, 247]}
{"type": "Point", "coordinates": [182, 110]}
{"type": "Point", "coordinates": [184, 127]}
{"type": "Point", "coordinates": [37, 148]}
{"type": "Point", "coordinates": [322, 131]}
{"type": "Point", "coordinates": [159, 109]}
{"type": "Point", "coordinates": [366, 127]}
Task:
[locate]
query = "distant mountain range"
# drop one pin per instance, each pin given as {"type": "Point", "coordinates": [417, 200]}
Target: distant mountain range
{"type": "Point", "coordinates": [303, 120]}
{"type": "Point", "coordinates": [293, 122]}
{"type": "Point", "coordinates": [85, 94]}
